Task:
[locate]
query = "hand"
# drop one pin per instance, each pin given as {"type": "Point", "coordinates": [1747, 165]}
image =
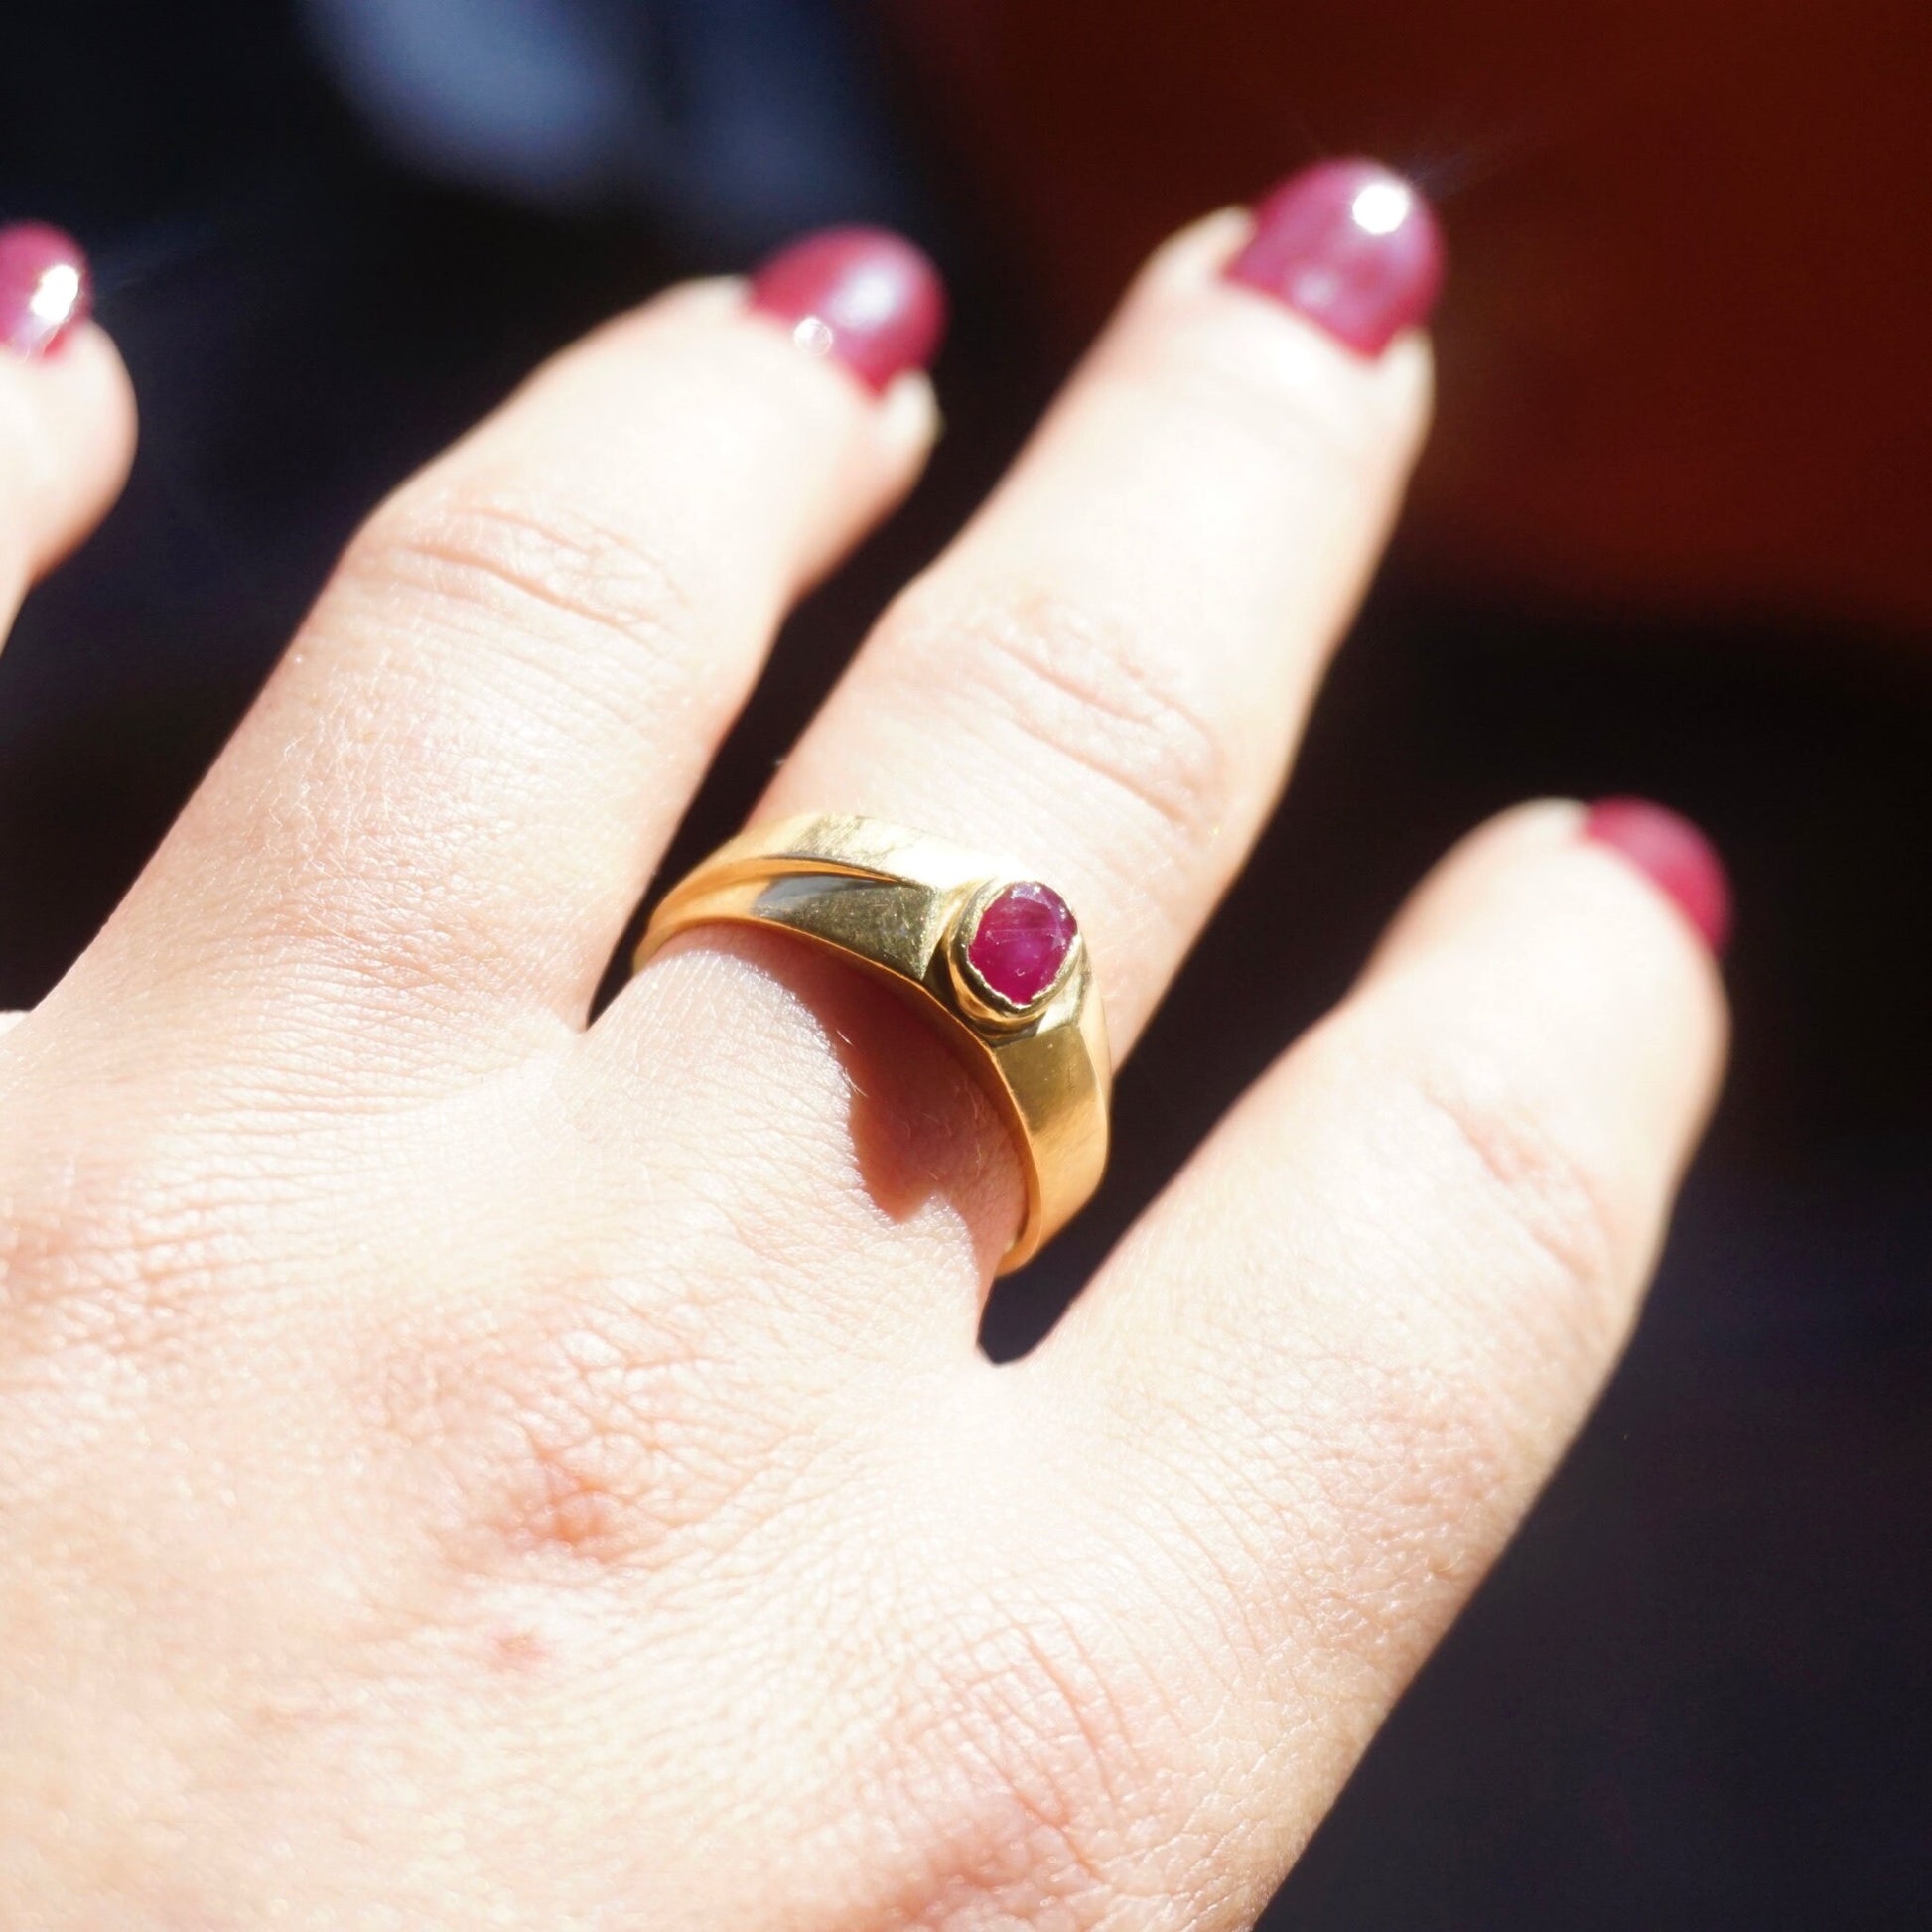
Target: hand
{"type": "Point", "coordinates": [466, 1467]}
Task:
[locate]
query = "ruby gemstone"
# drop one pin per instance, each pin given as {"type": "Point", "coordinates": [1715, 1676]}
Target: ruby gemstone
{"type": "Point", "coordinates": [1022, 942]}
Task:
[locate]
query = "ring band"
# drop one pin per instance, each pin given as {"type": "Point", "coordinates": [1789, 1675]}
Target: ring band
{"type": "Point", "coordinates": [994, 957]}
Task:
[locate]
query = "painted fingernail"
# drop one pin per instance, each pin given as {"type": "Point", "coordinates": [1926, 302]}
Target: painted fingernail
{"type": "Point", "coordinates": [45, 288]}
{"type": "Point", "coordinates": [1675, 855]}
{"type": "Point", "coordinates": [858, 296]}
{"type": "Point", "coordinates": [1350, 245]}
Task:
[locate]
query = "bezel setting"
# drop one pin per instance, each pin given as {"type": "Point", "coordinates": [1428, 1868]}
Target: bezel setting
{"type": "Point", "coordinates": [978, 998]}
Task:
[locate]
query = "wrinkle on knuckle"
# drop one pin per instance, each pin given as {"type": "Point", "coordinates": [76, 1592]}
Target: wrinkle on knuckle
{"type": "Point", "coordinates": [1542, 1203]}
{"type": "Point", "coordinates": [507, 560]}
{"type": "Point", "coordinates": [1042, 1792]}
{"type": "Point", "coordinates": [1090, 687]}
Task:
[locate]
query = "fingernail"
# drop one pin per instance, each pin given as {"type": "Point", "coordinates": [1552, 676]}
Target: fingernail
{"type": "Point", "coordinates": [858, 296]}
{"type": "Point", "coordinates": [1675, 855]}
{"type": "Point", "coordinates": [1351, 246]}
{"type": "Point", "coordinates": [45, 288]}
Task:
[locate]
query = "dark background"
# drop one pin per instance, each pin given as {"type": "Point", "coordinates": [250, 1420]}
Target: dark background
{"type": "Point", "coordinates": [1669, 541]}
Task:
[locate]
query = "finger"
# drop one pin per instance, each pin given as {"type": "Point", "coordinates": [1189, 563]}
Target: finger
{"type": "Point", "coordinates": [454, 787]}
{"type": "Point", "coordinates": [67, 410]}
{"type": "Point", "coordinates": [1104, 677]}
{"type": "Point", "coordinates": [1335, 1361]}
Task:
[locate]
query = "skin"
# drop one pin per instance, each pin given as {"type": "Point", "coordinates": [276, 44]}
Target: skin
{"type": "Point", "coordinates": [464, 1467]}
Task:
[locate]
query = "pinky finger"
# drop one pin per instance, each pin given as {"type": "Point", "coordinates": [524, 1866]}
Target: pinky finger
{"type": "Point", "coordinates": [1334, 1362]}
{"type": "Point", "coordinates": [66, 409]}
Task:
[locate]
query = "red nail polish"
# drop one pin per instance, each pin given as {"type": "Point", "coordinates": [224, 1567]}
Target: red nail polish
{"type": "Point", "coordinates": [45, 288]}
{"type": "Point", "coordinates": [861, 296]}
{"type": "Point", "coordinates": [1677, 857]}
{"type": "Point", "coordinates": [1350, 245]}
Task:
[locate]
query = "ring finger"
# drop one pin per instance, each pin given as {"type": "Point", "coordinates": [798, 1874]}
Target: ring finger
{"type": "Point", "coordinates": [1105, 676]}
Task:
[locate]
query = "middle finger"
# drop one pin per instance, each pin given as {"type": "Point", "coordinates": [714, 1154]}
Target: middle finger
{"type": "Point", "coordinates": [441, 811]}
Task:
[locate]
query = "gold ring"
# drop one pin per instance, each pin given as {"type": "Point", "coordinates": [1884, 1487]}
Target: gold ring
{"type": "Point", "coordinates": [995, 958]}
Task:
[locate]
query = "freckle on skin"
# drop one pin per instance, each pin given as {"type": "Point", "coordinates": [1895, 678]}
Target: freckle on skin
{"type": "Point", "coordinates": [518, 1649]}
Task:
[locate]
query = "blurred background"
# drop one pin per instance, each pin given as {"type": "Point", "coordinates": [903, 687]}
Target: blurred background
{"type": "Point", "coordinates": [1671, 537]}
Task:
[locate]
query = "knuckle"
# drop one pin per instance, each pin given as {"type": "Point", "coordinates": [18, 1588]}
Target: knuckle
{"type": "Point", "coordinates": [1032, 1752]}
{"type": "Point", "coordinates": [1092, 688]}
{"type": "Point", "coordinates": [503, 558]}
{"type": "Point", "coordinates": [600, 1435]}
{"type": "Point", "coordinates": [1538, 1199]}
{"type": "Point", "coordinates": [106, 1254]}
